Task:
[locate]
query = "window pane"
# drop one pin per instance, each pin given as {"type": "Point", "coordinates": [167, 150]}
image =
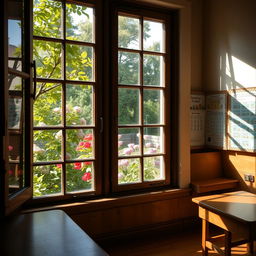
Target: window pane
{"type": "Point", "coordinates": [152, 70]}
{"type": "Point", "coordinates": [47, 105]}
{"type": "Point", "coordinates": [129, 171]}
{"type": "Point", "coordinates": [153, 33]}
{"type": "Point", "coordinates": [79, 105]}
{"type": "Point", "coordinates": [48, 59]}
{"type": "Point", "coordinates": [128, 106]}
{"type": "Point", "coordinates": [79, 23]}
{"type": "Point", "coordinates": [153, 168]}
{"type": "Point", "coordinates": [14, 82]}
{"type": "Point", "coordinates": [153, 140]}
{"type": "Point", "coordinates": [128, 68]}
{"type": "Point", "coordinates": [80, 144]}
{"type": "Point", "coordinates": [47, 145]}
{"type": "Point", "coordinates": [79, 62]}
{"type": "Point", "coordinates": [79, 176]}
{"type": "Point", "coordinates": [47, 18]}
{"type": "Point", "coordinates": [128, 141]}
{"type": "Point", "coordinates": [153, 105]}
{"type": "Point", "coordinates": [14, 38]}
{"type": "Point", "coordinates": [128, 32]}
{"type": "Point", "coordinates": [47, 180]}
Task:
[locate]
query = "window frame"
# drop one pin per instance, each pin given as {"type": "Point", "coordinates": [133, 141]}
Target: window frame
{"type": "Point", "coordinates": [97, 102]}
{"type": "Point", "coordinates": [149, 14]}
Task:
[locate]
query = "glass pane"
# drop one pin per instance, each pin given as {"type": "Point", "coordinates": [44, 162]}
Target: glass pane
{"type": "Point", "coordinates": [47, 105]}
{"type": "Point", "coordinates": [79, 23]}
{"type": "Point", "coordinates": [153, 168]}
{"type": "Point", "coordinates": [152, 70]}
{"type": "Point", "coordinates": [128, 141]}
{"type": "Point", "coordinates": [47, 18]}
{"type": "Point", "coordinates": [128, 32]}
{"type": "Point", "coordinates": [128, 68]}
{"type": "Point", "coordinates": [15, 113]}
{"type": "Point", "coordinates": [47, 180]}
{"type": "Point", "coordinates": [79, 62]}
{"type": "Point", "coordinates": [153, 140]}
{"type": "Point", "coordinates": [14, 83]}
{"type": "Point", "coordinates": [79, 105]}
{"type": "Point", "coordinates": [153, 36]}
{"type": "Point", "coordinates": [128, 106]}
{"type": "Point", "coordinates": [80, 144]}
{"type": "Point", "coordinates": [16, 161]}
{"type": "Point", "coordinates": [47, 145]}
{"type": "Point", "coordinates": [129, 171]}
{"type": "Point", "coordinates": [48, 59]}
{"type": "Point", "coordinates": [14, 38]}
{"type": "Point", "coordinates": [80, 176]}
{"type": "Point", "coordinates": [153, 107]}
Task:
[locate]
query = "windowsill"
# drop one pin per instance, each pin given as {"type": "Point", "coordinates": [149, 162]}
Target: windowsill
{"type": "Point", "coordinates": [115, 201]}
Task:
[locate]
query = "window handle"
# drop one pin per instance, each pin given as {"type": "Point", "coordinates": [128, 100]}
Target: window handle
{"type": "Point", "coordinates": [34, 91]}
{"type": "Point", "coordinates": [101, 125]}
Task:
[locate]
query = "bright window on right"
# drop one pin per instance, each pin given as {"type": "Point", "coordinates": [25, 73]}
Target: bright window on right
{"type": "Point", "coordinates": [141, 85]}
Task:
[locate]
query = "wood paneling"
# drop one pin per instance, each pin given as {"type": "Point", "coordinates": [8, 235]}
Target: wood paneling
{"type": "Point", "coordinates": [206, 166]}
{"type": "Point", "coordinates": [236, 164]}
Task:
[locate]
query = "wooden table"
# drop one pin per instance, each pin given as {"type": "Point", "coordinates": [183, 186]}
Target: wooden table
{"type": "Point", "coordinates": [48, 233]}
{"type": "Point", "coordinates": [235, 213]}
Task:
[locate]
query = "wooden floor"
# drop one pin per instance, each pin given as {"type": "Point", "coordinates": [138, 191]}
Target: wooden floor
{"type": "Point", "coordinates": [180, 244]}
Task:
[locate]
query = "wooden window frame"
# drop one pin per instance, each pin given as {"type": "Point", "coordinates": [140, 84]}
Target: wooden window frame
{"type": "Point", "coordinates": [167, 88]}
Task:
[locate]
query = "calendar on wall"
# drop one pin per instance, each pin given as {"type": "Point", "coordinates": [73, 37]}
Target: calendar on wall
{"type": "Point", "coordinates": [197, 118]}
{"type": "Point", "coordinates": [242, 120]}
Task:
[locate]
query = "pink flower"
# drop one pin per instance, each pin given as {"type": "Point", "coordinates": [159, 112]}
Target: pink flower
{"type": "Point", "coordinates": [148, 145]}
{"type": "Point", "coordinates": [119, 136]}
{"type": "Point", "coordinates": [59, 166]}
{"type": "Point", "coordinates": [157, 163]}
{"type": "Point", "coordinates": [123, 162]}
{"type": "Point", "coordinates": [87, 176]}
{"type": "Point", "coordinates": [88, 137]}
{"type": "Point", "coordinates": [82, 145]}
{"type": "Point", "coordinates": [10, 148]}
{"type": "Point", "coordinates": [152, 150]}
{"type": "Point", "coordinates": [131, 145]}
{"type": "Point", "coordinates": [128, 151]}
{"type": "Point", "coordinates": [120, 143]}
{"type": "Point", "coordinates": [77, 166]}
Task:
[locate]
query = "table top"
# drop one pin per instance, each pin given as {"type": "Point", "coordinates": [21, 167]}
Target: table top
{"type": "Point", "coordinates": [47, 233]}
{"type": "Point", "coordinates": [239, 205]}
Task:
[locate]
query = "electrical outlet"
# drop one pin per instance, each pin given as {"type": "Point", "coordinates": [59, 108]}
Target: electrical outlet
{"type": "Point", "coordinates": [249, 177]}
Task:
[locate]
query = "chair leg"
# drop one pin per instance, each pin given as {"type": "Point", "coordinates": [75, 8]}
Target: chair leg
{"type": "Point", "coordinates": [205, 237]}
{"type": "Point", "coordinates": [228, 239]}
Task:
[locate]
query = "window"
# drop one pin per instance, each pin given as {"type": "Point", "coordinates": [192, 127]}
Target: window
{"type": "Point", "coordinates": [64, 148]}
{"type": "Point", "coordinates": [142, 90]}
{"type": "Point", "coordinates": [102, 99]}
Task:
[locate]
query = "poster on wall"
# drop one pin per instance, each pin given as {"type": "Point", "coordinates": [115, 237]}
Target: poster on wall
{"type": "Point", "coordinates": [215, 121]}
{"type": "Point", "coordinates": [197, 120]}
{"type": "Point", "coordinates": [242, 120]}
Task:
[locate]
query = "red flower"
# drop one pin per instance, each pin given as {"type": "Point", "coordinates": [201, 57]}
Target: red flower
{"type": "Point", "coordinates": [10, 148]}
{"type": "Point", "coordinates": [77, 166]}
{"type": "Point", "coordinates": [87, 163]}
{"type": "Point", "coordinates": [59, 165]}
{"type": "Point", "coordinates": [82, 145]}
{"type": "Point", "coordinates": [87, 176]}
{"type": "Point", "coordinates": [88, 136]}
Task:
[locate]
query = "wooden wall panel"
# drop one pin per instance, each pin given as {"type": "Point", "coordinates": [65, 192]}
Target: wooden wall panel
{"type": "Point", "coordinates": [121, 219]}
{"type": "Point", "coordinates": [205, 166]}
{"type": "Point", "coordinates": [236, 164]}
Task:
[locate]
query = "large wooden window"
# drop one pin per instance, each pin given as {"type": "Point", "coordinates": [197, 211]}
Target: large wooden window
{"type": "Point", "coordinates": [64, 149]}
{"type": "Point", "coordinates": [142, 105]}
